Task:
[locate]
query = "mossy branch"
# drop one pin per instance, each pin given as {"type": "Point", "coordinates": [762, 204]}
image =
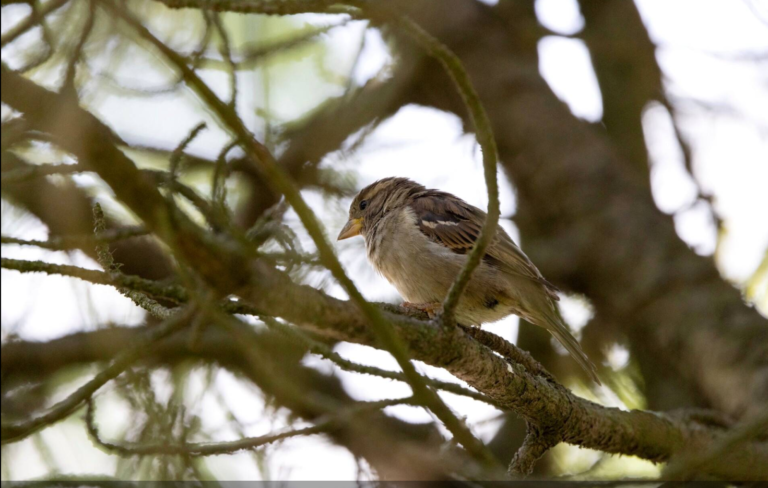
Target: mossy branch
{"type": "Point", "coordinates": [104, 256]}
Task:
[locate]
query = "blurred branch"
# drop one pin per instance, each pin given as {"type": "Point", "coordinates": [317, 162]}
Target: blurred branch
{"type": "Point", "coordinates": [322, 133]}
{"type": "Point", "coordinates": [195, 60]}
{"type": "Point", "coordinates": [31, 21]}
{"type": "Point", "coordinates": [687, 465]}
{"type": "Point", "coordinates": [178, 153]}
{"type": "Point", "coordinates": [219, 178]}
{"type": "Point", "coordinates": [29, 172]}
{"type": "Point", "coordinates": [230, 447]}
{"type": "Point", "coordinates": [49, 43]}
{"type": "Point", "coordinates": [685, 148]}
{"type": "Point", "coordinates": [166, 180]}
{"type": "Point", "coordinates": [15, 431]}
{"type": "Point", "coordinates": [246, 57]}
{"type": "Point", "coordinates": [67, 243]}
{"type": "Point", "coordinates": [264, 7]}
{"type": "Point", "coordinates": [68, 86]}
{"type": "Point", "coordinates": [624, 60]}
{"type": "Point", "coordinates": [226, 52]}
{"type": "Point", "coordinates": [169, 292]}
{"type": "Point", "coordinates": [65, 209]}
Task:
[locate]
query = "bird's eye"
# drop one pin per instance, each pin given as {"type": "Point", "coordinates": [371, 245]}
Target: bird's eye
{"type": "Point", "coordinates": [363, 204]}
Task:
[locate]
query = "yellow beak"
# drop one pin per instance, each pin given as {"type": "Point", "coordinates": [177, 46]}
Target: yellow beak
{"type": "Point", "coordinates": [351, 229]}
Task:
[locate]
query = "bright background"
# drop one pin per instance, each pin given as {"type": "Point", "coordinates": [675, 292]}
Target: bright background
{"type": "Point", "coordinates": [714, 56]}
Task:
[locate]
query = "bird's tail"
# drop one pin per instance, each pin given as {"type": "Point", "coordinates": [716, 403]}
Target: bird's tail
{"type": "Point", "coordinates": [558, 328]}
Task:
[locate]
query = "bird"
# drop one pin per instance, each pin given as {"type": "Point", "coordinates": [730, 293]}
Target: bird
{"type": "Point", "coordinates": [419, 240]}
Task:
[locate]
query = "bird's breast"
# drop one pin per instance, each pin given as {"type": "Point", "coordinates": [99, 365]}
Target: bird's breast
{"type": "Point", "coordinates": [421, 270]}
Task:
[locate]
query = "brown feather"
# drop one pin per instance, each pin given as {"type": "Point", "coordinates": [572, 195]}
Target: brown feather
{"type": "Point", "coordinates": [450, 221]}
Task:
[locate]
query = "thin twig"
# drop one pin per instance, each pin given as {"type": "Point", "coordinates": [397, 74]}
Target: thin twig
{"type": "Point", "coordinates": [163, 179]}
{"type": "Point", "coordinates": [172, 293]}
{"type": "Point", "coordinates": [195, 60]}
{"type": "Point", "coordinates": [154, 288]}
{"type": "Point", "coordinates": [76, 57]}
{"type": "Point", "coordinates": [178, 152]}
{"type": "Point", "coordinates": [251, 55]}
{"type": "Point", "coordinates": [226, 52]}
{"type": "Point", "coordinates": [219, 179]}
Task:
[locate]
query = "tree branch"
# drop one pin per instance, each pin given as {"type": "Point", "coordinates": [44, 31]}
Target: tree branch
{"type": "Point", "coordinates": [169, 292]}
{"type": "Point", "coordinates": [535, 445]}
{"type": "Point", "coordinates": [654, 436]}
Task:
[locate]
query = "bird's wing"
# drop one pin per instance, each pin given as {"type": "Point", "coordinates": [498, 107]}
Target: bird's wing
{"type": "Point", "coordinates": [452, 222]}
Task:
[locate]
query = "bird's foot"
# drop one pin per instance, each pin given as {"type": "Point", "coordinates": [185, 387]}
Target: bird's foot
{"type": "Point", "coordinates": [432, 309]}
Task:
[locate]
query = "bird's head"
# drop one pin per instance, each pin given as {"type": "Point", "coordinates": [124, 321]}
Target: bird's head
{"type": "Point", "coordinates": [374, 202]}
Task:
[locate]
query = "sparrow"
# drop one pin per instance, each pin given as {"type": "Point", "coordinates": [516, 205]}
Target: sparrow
{"type": "Point", "coordinates": [419, 239]}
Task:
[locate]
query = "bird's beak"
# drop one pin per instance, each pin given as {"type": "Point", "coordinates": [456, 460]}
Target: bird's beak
{"type": "Point", "coordinates": [351, 229]}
